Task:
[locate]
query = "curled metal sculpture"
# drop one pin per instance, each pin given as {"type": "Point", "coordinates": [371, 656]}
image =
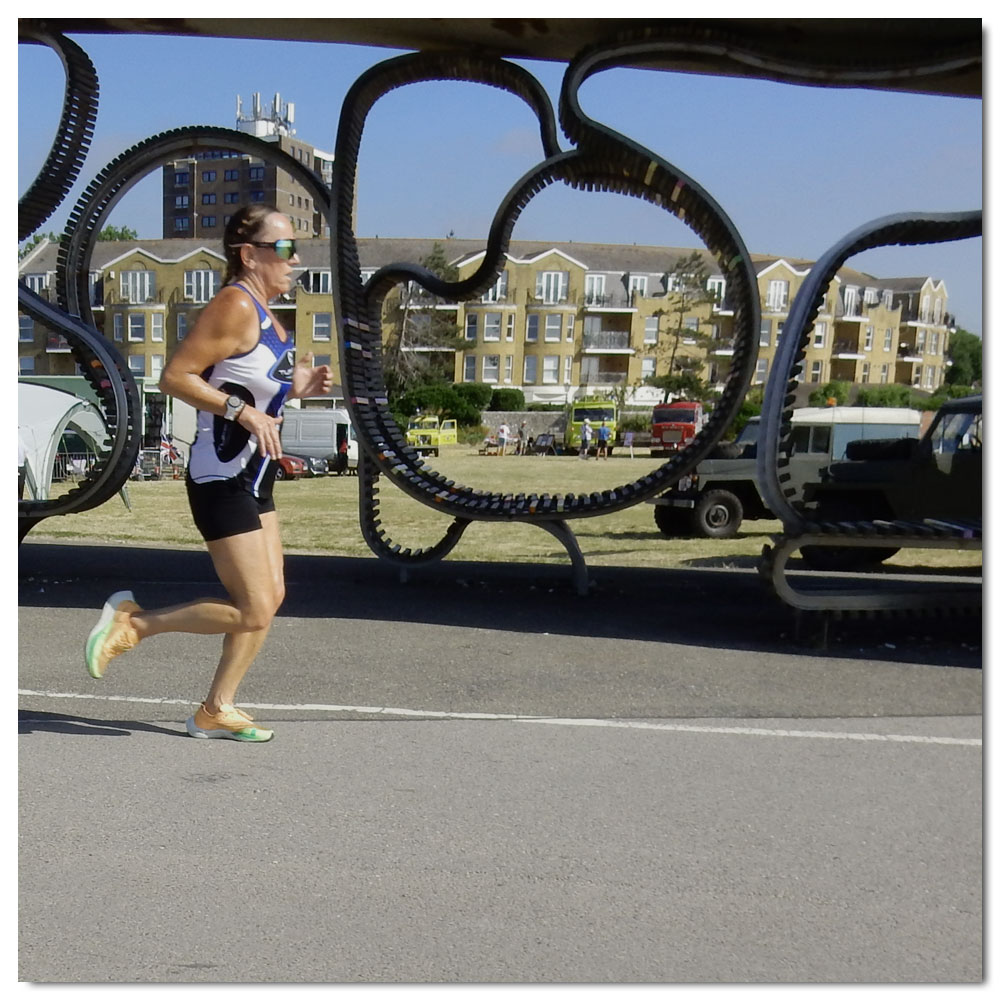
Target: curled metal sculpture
{"type": "Point", "coordinates": [598, 159]}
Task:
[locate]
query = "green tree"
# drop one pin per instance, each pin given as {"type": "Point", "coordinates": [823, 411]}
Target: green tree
{"type": "Point", "coordinates": [420, 338]}
{"type": "Point", "coordinates": [681, 346]}
{"type": "Point", "coordinates": [884, 395]}
{"type": "Point", "coordinates": [965, 351]}
{"type": "Point", "coordinates": [110, 233]}
{"type": "Point", "coordinates": [837, 391]}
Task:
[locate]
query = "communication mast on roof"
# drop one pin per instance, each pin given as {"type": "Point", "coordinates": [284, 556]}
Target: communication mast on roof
{"type": "Point", "coordinates": [275, 120]}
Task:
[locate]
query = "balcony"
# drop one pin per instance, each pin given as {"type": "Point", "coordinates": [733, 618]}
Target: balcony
{"type": "Point", "coordinates": [605, 378]}
{"type": "Point", "coordinates": [608, 342]}
{"type": "Point", "coordinates": [610, 300]}
{"type": "Point", "coordinates": [723, 347]}
{"type": "Point", "coordinates": [847, 350]}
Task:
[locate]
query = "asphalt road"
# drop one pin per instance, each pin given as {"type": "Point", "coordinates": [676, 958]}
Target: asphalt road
{"type": "Point", "coordinates": [480, 777]}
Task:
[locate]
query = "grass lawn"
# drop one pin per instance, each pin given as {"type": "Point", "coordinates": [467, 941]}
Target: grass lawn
{"type": "Point", "coordinates": [321, 516]}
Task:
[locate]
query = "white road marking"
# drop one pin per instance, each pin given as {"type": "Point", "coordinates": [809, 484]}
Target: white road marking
{"type": "Point", "coordinates": [538, 720]}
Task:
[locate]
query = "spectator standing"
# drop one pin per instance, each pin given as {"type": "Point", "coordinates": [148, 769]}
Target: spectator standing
{"type": "Point", "coordinates": [586, 433]}
{"type": "Point", "coordinates": [603, 437]}
{"type": "Point", "coordinates": [503, 436]}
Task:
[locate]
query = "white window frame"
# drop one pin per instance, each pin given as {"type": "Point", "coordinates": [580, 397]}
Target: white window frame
{"type": "Point", "coordinates": [552, 287]}
{"type": "Point", "coordinates": [491, 368]}
{"type": "Point", "coordinates": [320, 282]}
{"type": "Point", "coordinates": [497, 292]}
{"type": "Point", "coordinates": [136, 325]}
{"type": "Point", "coordinates": [550, 369]}
{"type": "Point", "coordinates": [25, 330]}
{"type": "Point", "coordinates": [509, 334]}
{"type": "Point", "coordinates": [647, 368]}
{"type": "Point", "coordinates": [884, 376]}
{"type": "Point", "coordinates": [637, 283]}
{"type": "Point", "coordinates": [491, 327]}
{"type": "Point", "coordinates": [887, 339]}
{"type": "Point", "coordinates": [760, 375]}
{"type": "Point", "coordinates": [716, 287]}
{"type": "Point", "coordinates": [816, 373]}
{"type": "Point", "coordinates": [156, 365]}
{"type": "Point", "coordinates": [531, 329]}
{"type": "Point", "coordinates": [869, 337]}
{"type": "Point", "coordinates": [26, 365]}
{"type": "Point", "coordinates": [156, 327]}
{"type": "Point", "coordinates": [567, 369]}
{"type": "Point", "coordinates": [764, 338]}
{"type": "Point", "coordinates": [553, 328]}
{"type": "Point", "coordinates": [651, 330]}
{"type": "Point", "coordinates": [322, 326]}
{"type": "Point", "coordinates": [508, 368]}
{"type": "Point", "coordinates": [866, 372]}
{"type": "Point", "coordinates": [137, 285]}
{"type": "Point", "coordinates": [469, 364]}
{"type": "Point", "coordinates": [819, 335]}
{"type": "Point", "coordinates": [137, 364]}
{"type": "Point", "coordinates": [593, 285]}
{"type": "Point", "coordinates": [471, 325]}
{"type": "Point", "coordinates": [182, 325]}
{"type": "Point", "coordinates": [850, 300]}
{"type": "Point", "coordinates": [777, 295]}
{"type": "Point", "coordinates": [531, 368]}
{"type": "Point", "coordinates": [570, 326]}
{"type": "Point", "coordinates": [118, 327]}
{"type": "Point", "coordinates": [195, 283]}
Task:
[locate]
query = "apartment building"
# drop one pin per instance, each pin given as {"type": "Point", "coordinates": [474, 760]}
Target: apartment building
{"type": "Point", "coordinates": [202, 191]}
{"type": "Point", "coordinates": [561, 320]}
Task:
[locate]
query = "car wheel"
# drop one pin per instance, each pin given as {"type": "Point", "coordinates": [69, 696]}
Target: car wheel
{"type": "Point", "coordinates": [280, 474]}
{"type": "Point", "coordinates": [672, 521]}
{"type": "Point", "coordinates": [718, 514]}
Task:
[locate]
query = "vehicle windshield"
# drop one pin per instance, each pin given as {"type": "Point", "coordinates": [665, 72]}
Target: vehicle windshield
{"type": "Point", "coordinates": [749, 433]}
{"type": "Point", "coordinates": [674, 415]}
{"type": "Point", "coordinates": [958, 432]}
{"type": "Point", "coordinates": [593, 413]}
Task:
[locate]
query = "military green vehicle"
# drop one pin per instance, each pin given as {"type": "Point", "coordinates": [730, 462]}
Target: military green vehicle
{"type": "Point", "coordinates": [935, 480]}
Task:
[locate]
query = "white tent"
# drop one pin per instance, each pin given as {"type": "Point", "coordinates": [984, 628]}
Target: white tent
{"type": "Point", "coordinates": [43, 415]}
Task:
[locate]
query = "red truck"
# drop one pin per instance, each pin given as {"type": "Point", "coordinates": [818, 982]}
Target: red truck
{"type": "Point", "coordinates": [674, 424]}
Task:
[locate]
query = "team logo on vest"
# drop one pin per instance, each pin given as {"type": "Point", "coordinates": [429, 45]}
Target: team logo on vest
{"type": "Point", "coordinates": [284, 366]}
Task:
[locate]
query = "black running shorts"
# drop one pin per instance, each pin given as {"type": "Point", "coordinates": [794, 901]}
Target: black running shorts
{"type": "Point", "coordinates": [227, 507]}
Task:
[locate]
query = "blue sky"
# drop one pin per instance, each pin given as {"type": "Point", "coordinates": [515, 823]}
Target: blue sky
{"type": "Point", "coordinates": [796, 168]}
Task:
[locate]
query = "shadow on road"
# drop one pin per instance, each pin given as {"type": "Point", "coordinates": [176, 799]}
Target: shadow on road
{"type": "Point", "coordinates": [78, 725]}
{"type": "Point", "coordinates": [723, 608]}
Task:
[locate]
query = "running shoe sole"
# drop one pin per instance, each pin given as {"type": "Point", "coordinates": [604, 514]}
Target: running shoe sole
{"type": "Point", "coordinates": [100, 631]}
{"type": "Point", "coordinates": [249, 735]}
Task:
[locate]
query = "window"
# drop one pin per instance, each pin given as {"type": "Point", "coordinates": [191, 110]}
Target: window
{"type": "Point", "coordinates": [887, 299]}
{"type": "Point", "coordinates": [118, 325]}
{"type": "Point", "coordinates": [593, 289]}
{"type": "Point", "coordinates": [491, 326]}
{"type": "Point", "coordinates": [531, 329]}
{"type": "Point", "coordinates": [819, 335]}
{"type": "Point", "coordinates": [850, 300]}
{"type": "Point", "coordinates": [155, 365]}
{"type": "Point", "coordinates": [871, 296]}
{"type": "Point", "coordinates": [935, 342]}
{"type": "Point", "coordinates": [207, 221]}
{"type": "Point", "coordinates": [136, 326]}
{"type": "Point", "coordinates": [816, 372]}
{"type": "Point", "coordinates": [469, 374]}
{"type": "Point", "coordinates": [26, 366]}
{"type": "Point", "coordinates": [637, 286]}
{"type": "Point", "coordinates": [568, 369]}
{"type": "Point", "coordinates": [530, 368]}
{"type": "Point", "coordinates": [552, 286]}
{"type": "Point", "coordinates": [230, 175]}
{"type": "Point", "coordinates": [570, 326]}
{"type": "Point", "coordinates": [938, 310]}
{"type": "Point", "coordinates": [765, 332]}
{"type": "Point", "coordinates": [865, 372]}
{"type": "Point", "coordinates": [777, 336]}
{"type": "Point", "coordinates": [550, 369]}
{"type": "Point", "coordinates": [691, 323]}
{"type": "Point", "coordinates": [137, 364]}
{"type": "Point", "coordinates": [777, 295]}
{"type": "Point", "coordinates": [510, 326]}
{"type": "Point", "coordinates": [182, 224]}
{"type": "Point", "coordinates": [25, 329]}
{"type": "Point", "coordinates": [869, 337]}
{"type": "Point", "coordinates": [648, 368]}
{"type": "Point", "coordinates": [256, 173]}
{"type": "Point", "coordinates": [182, 325]}
{"type": "Point", "coordinates": [917, 371]}
{"type": "Point", "coordinates": [884, 376]}
{"type": "Point", "coordinates": [208, 198]}
{"type": "Point", "coordinates": [471, 325]}
{"type": "Point", "coordinates": [156, 327]}
{"type": "Point", "coordinates": [319, 282]}
{"type": "Point", "coordinates": [208, 175]}
{"type": "Point", "coordinates": [181, 201]}
{"type": "Point", "coordinates": [921, 340]}
{"type": "Point", "coordinates": [499, 290]}
{"type": "Point", "coordinates": [716, 287]}
{"type": "Point", "coordinates": [322, 325]}
{"type": "Point", "coordinates": [930, 375]}
{"type": "Point", "coordinates": [508, 368]}
{"type": "Point", "coordinates": [256, 195]}
{"type": "Point", "coordinates": [200, 286]}
{"type": "Point", "coordinates": [553, 327]}
{"type": "Point", "coordinates": [887, 340]}
{"type": "Point", "coordinates": [182, 178]}
{"type": "Point", "coordinates": [761, 374]}
{"type": "Point", "coordinates": [491, 367]}
{"type": "Point", "coordinates": [231, 197]}
{"type": "Point", "coordinates": [137, 286]}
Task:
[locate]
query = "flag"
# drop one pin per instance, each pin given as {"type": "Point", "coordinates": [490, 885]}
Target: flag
{"type": "Point", "coordinates": [168, 452]}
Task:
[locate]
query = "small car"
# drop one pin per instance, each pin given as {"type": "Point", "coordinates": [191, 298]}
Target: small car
{"type": "Point", "coordinates": [290, 467]}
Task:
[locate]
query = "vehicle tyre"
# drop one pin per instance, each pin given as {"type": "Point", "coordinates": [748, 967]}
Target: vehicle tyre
{"type": "Point", "coordinates": [718, 514]}
{"type": "Point", "coordinates": [674, 522]}
{"type": "Point", "coordinates": [279, 473]}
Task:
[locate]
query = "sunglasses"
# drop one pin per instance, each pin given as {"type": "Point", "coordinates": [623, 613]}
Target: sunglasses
{"type": "Point", "coordinates": [283, 249]}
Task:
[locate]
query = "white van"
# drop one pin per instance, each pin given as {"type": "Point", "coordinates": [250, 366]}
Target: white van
{"type": "Point", "coordinates": [321, 434]}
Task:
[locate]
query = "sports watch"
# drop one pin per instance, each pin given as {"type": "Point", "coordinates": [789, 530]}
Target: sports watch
{"type": "Point", "coordinates": [234, 406]}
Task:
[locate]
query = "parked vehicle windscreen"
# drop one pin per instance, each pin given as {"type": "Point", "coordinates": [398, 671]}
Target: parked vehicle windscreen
{"type": "Point", "coordinates": [958, 432]}
{"type": "Point", "coordinates": [593, 413]}
{"type": "Point", "coordinates": [674, 416]}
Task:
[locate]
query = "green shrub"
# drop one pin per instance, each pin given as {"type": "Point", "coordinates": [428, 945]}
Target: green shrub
{"type": "Point", "coordinates": [837, 391]}
{"type": "Point", "coordinates": [507, 399]}
{"type": "Point", "coordinates": [476, 393]}
{"type": "Point", "coordinates": [884, 395]}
